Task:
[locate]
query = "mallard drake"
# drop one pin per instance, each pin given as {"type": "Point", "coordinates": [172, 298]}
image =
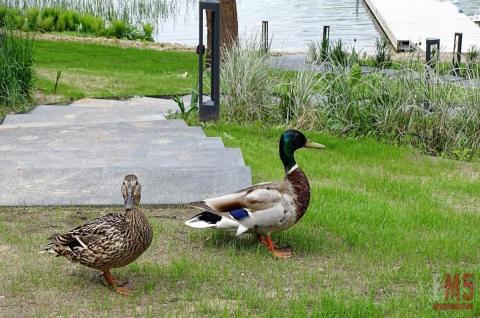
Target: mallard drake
{"type": "Point", "coordinates": [263, 208]}
{"type": "Point", "coordinates": [111, 241]}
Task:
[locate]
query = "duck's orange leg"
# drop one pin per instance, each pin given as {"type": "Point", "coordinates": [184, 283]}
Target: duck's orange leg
{"type": "Point", "coordinates": [273, 248]}
{"type": "Point", "coordinates": [114, 283]}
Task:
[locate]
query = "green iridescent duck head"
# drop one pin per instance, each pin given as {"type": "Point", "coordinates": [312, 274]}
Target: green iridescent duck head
{"type": "Point", "coordinates": [290, 141]}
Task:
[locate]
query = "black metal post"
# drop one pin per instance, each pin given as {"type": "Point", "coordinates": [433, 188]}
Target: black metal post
{"type": "Point", "coordinates": [457, 52]}
{"type": "Point", "coordinates": [265, 45]}
{"type": "Point", "coordinates": [326, 33]}
{"type": "Point", "coordinates": [432, 51]}
{"type": "Point", "coordinates": [209, 110]}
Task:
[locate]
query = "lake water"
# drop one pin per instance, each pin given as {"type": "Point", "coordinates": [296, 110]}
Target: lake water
{"type": "Point", "coordinates": [292, 24]}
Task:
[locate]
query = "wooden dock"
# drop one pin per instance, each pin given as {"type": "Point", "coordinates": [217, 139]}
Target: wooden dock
{"type": "Point", "coordinates": [407, 23]}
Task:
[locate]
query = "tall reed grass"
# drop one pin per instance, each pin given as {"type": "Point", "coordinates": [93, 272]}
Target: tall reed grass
{"type": "Point", "coordinates": [16, 69]}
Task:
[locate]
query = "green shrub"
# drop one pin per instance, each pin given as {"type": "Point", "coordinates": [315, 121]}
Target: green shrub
{"type": "Point", "coordinates": [3, 14]}
{"type": "Point", "coordinates": [72, 21]}
{"type": "Point", "coordinates": [51, 13]}
{"type": "Point", "coordinates": [91, 24]}
{"type": "Point", "coordinates": [148, 32]}
{"type": "Point", "coordinates": [118, 29]}
{"type": "Point", "coordinates": [32, 14]}
{"type": "Point", "coordinates": [62, 22]}
{"type": "Point", "coordinates": [47, 24]}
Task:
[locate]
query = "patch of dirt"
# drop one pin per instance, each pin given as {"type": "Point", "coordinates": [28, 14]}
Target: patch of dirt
{"type": "Point", "coordinates": [4, 248]}
{"type": "Point", "coordinates": [158, 46]}
{"type": "Point", "coordinates": [41, 98]}
{"type": "Point", "coordinates": [460, 203]}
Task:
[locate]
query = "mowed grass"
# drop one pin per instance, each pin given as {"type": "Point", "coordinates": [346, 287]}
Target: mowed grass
{"type": "Point", "coordinates": [94, 70]}
{"type": "Point", "coordinates": [383, 222]}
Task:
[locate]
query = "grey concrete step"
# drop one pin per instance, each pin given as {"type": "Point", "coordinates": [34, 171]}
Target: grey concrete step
{"type": "Point", "coordinates": [105, 146]}
{"type": "Point", "coordinates": [119, 157]}
{"type": "Point", "coordinates": [77, 115]}
{"type": "Point", "coordinates": [145, 124]}
{"type": "Point", "coordinates": [59, 109]}
{"type": "Point", "coordinates": [24, 120]}
{"type": "Point", "coordinates": [109, 131]}
{"type": "Point", "coordinates": [160, 104]}
{"type": "Point", "coordinates": [101, 186]}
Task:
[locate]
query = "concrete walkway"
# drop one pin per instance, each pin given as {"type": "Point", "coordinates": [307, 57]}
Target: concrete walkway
{"type": "Point", "coordinates": [79, 154]}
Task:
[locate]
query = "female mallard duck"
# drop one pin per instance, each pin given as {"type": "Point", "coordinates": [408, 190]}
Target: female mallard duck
{"type": "Point", "coordinates": [264, 208]}
{"type": "Point", "coordinates": [111, 241]}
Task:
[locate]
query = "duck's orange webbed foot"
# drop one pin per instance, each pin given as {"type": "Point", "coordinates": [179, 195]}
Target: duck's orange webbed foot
{"type": "Point", "coordinates": [123, 290]}
{"type": "Point", "coordinates": [276, 251]}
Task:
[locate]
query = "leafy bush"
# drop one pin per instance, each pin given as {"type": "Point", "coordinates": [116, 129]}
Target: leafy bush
{"type": "Point", "coordinates": [91, 24]}
{"type": "Point", "coordinates": [148, 32]}
{"type": "Point", "coordinates": [118, 29]}
{"type": "Point", "coordinates": [32, 15]}
{"type": "Point", "coordinates": [47, 24]}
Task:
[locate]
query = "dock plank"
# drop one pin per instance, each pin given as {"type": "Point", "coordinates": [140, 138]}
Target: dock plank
{"type": "Point", "coordinates": [412, 21]}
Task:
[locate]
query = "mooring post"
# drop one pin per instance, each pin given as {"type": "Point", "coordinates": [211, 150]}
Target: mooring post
{"type": "Point", "coordinates": [209, 110]}
{"type": "Point", "coordinates": [265, 45]}
{"type": "Point", "coordinates": [432, 52]}
{"type": "Point", "coordinates": [457, 53]}
{"type": "Point", "coordinates": [325, 43]}
{"type": "Point", "coordinates": [326, 33]}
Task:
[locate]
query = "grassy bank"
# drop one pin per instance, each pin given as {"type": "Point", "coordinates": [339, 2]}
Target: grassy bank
{"type": "Point", "coordinates": [95, 70]}
{"type": "Point", "coordinates": [382, 221]}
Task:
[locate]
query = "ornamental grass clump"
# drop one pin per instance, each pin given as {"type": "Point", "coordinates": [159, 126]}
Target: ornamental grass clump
{"type": "Point", "coordinates": [247, 84]}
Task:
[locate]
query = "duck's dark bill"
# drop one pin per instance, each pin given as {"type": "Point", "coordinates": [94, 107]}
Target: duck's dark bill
{"type": "Point", "coordinates": [312, 144]}
{"type": "Point", "coordinates": [129, 203]}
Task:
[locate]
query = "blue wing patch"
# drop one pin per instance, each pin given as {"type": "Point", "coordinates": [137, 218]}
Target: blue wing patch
{"type": "Point", "coordinates": [239, 214]}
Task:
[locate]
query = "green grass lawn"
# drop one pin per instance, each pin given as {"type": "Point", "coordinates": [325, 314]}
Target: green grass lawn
{"type": "Point", "coordinates": [383, 222]}
{"type": "Point", "coordinates": [93, 70]}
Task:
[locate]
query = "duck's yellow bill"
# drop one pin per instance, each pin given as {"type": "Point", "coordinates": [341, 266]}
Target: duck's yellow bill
{"type": "Point", "coordinates": [312, 144]}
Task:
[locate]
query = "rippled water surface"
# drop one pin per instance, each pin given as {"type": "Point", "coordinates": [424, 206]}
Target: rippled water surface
{"type": "Point", "coordinates": [293, 24]}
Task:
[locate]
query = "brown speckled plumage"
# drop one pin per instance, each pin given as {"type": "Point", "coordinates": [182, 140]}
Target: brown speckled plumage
{"type": "Point", "coordinates": [111, 241]}
{"type": "Point", "coordinates": [301, 188]}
